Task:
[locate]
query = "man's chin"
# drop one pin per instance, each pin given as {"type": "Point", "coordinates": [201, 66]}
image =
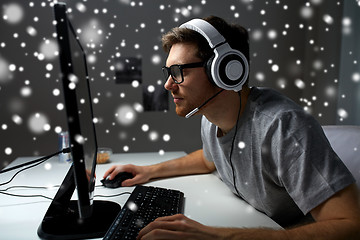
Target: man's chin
{"type": "Point", "coordinates": [182, 112]}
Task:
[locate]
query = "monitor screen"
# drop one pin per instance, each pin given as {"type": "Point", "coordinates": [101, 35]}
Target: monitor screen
{"type": "Point", "coordinates": [84, 217]}
{"type": "Point", "coordinates": [78, 108]}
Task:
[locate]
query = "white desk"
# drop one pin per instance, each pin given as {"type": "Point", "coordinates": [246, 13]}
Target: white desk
{"type": "Point", "coordinates": [207, 199]}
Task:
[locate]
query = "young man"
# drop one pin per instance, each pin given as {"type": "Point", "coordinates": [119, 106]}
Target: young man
{"type": "Point", "coordinates": [266, 149]}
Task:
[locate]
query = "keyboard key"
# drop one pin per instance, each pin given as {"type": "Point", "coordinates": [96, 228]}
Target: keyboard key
{"type": "Point", "coordinates": [144, 205]}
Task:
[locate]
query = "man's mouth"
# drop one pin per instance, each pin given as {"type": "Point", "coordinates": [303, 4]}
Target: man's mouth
{"type": "Point", "coordinates": [177, 99]}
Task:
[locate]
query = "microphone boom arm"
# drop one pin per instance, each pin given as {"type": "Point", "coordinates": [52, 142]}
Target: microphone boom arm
{"type": "Point", "coordinates": [190, 114]}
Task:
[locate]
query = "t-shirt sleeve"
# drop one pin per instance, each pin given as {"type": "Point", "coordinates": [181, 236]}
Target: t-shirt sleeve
{"type": "Point", "coordinates": [308, 167]}
{"type": "Point", "coordinates": [205, 137]}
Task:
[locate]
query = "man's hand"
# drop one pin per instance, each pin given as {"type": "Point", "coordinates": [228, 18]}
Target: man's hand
{"type": "Point", "coordinates": [337, 218]}
{"type": "Point", "coordinates": [140, 173]}
{"type": "Point", "coordinates": [180, 227]}
{"type": "Point", "coordinates": [193, 163]}
{"type": "Point", "coordinates": [176, 227]}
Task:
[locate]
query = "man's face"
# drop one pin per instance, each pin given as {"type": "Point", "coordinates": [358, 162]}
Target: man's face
{"type": "Point", "coordinates": [196, 88]}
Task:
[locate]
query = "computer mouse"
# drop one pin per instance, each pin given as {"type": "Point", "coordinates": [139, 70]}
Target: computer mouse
{"type": "Point", "coordinates": [118, 179]}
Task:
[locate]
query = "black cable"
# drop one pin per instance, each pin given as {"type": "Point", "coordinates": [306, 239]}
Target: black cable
{"type": "Point", "coordinates": [232, 148]}
{"type": "Point", "coordinates": [35, 162]}
{"type": "Point", "coordinates": [17, 195]}
{"type": "Point", "coordinates": [12, 178]}
{"type": "Point", "coordinates": [65, 150]}
{"type": "Point", "coordinates": [38, 187]}
{"type": "Point", "coordinates": [115, 195]}
{"type": "Point", "coordinates": [4, 191]}
{"type": "Point", "coordinates": [30, 187]}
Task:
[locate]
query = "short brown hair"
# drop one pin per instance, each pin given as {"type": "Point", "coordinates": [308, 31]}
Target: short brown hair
{"type": "Point", "coordinates": [236, 35]}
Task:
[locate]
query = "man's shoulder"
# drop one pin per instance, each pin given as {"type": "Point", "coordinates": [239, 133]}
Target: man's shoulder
{"type": "Point", "coordinates": [270, 102]}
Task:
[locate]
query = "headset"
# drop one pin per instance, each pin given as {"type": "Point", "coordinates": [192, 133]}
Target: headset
{"type": "Point", "coordinates": [228, 68]}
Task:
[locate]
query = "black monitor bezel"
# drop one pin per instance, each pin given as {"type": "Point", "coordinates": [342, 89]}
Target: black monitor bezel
{"type": "Point", "coordinates": [85, 186]}
{"type": "Point", "coordinates": [84, 217]}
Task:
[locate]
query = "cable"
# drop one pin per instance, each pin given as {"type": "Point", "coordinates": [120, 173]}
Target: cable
{"type": "Point", "coordinates": [17, 195]}
{"type": "Point", "coordinates": [4, 191]}
{"type": "Point", "coordinates": [30, 187]}
{"type": "Point", "coordinates": [65, 150]}
{"type": "Point", "coordinates": [35, 162]}
{"type": "Point", "coordinates": [38, 187]}
{"type": "Point", "coordinates": [12, 178]}
{"type": "Point", "coordinates": [116, 195]}
{"type": "Point", "coordinates": [232, 148]}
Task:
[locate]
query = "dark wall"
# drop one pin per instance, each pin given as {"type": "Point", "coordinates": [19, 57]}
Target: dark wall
{"type": "Point", "coordinates": [295, 47]}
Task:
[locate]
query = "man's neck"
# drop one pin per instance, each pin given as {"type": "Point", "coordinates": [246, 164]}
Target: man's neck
{"type": "Point", "coordinates": [224, 113]}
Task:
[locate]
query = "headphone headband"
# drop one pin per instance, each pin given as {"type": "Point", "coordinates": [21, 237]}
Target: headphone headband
{"type": "Point", "coordinates": [201, 26]}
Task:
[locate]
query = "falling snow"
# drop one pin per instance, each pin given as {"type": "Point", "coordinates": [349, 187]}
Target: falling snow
{"type": "Point", "coordinates": [293, 54]}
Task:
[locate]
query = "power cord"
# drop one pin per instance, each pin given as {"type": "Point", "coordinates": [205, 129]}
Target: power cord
{"type": "Point", "coordinates": [30, 187]}
{"type": "Point", "coordinates": [115, 195]}
{"type": "Point", "coordinates": [25, 196]}
{"type": "Point", "coordinates": [18, 195]}
{"type": "Point", "coordinates": [65, 150]}
{"type": "Point", "coordinates": [4, 191]}
{"type": "Point", "coordinates": [35, 162]}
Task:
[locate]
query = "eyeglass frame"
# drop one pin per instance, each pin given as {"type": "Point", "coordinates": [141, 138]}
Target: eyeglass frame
{"type": "Point", "coordinates": [181, 67]}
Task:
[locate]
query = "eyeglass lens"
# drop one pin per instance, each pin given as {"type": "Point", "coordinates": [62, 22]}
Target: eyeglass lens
{"type": "Point", "coordinates": [174, 71]}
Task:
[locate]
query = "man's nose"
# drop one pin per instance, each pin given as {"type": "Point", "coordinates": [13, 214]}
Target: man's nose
{"type": "Point", "coordinates": [170, 84]}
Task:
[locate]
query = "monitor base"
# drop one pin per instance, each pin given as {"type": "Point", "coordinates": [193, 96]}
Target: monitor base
{"type": "Point", "coordinates": [63, 223]}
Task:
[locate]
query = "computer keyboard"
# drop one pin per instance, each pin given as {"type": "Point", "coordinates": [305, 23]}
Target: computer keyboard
{"type": "Point", "coordinates": [144, 205]}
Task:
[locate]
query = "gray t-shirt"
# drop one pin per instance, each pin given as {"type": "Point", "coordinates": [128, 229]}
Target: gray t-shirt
{"type": "Point", "coordinates": [284, 165]}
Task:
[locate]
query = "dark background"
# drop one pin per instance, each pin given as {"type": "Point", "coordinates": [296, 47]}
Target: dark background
{"type": "Point", "coordinates": [306, 49]}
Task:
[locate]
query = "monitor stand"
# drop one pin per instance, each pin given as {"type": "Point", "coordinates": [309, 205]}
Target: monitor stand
{"type": "Point", "coordinates": [62, 220]}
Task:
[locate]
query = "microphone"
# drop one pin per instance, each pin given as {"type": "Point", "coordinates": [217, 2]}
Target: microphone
{"type": "Point", "coordinates": [195, 110]}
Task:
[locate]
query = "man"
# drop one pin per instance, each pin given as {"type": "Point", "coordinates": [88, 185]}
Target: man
{"type": "Point", "coordinates": [266, 149]}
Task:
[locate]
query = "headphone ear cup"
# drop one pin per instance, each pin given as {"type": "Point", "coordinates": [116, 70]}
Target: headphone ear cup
{"type": "Point", "coordinates": [208, 67]}
{"type": "Point", "coordinates": [230, 68]}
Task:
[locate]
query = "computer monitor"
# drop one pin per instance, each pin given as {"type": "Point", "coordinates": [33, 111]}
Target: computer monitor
{"type": "Point", "coordinates": [84, 217]}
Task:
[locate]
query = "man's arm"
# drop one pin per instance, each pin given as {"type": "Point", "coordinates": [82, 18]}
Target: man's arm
{"type": "Point", "coordinates": [193, 163]}
{"type": "Point", "coordinates": [338, 218]}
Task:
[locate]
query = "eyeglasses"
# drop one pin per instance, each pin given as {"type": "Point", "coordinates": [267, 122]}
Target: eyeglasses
{"type": "Point", "coordinates": [176, 71]}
